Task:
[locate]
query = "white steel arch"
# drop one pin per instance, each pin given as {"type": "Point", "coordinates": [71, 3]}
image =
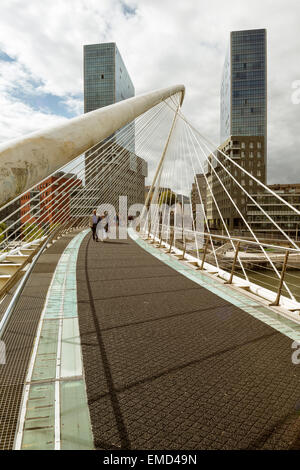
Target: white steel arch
{"type": "Point", "coordinates": [25, 161]}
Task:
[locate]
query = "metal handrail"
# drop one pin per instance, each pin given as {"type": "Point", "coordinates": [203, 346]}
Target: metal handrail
{"type": "Point", "coordinates": [207, 235]}
{"type": "Point", "coordinates": [241, 240]}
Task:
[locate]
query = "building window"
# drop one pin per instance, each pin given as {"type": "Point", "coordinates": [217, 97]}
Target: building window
{"type": "Point", "coordinates": [259, 145]}
{"type": "Point", "coordinates": [258, 155]}
{"type": "Point", "coordinates": [251, 145]}
{"type": "Point", "coordinates": [251, 154]}
{"type": "Point", "coordinates": [243, 145]}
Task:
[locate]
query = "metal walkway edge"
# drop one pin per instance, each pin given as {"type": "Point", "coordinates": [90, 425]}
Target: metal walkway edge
{"type": "Point", "coordinates": [19, 339]}
{"type": "Point", "coordinates": [54, 412]}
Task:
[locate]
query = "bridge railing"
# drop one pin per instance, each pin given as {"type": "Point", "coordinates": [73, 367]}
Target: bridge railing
{"type": "Point", "coordinates": [205, 190]}
{"type": "Point", "coordinates": [65, 199]}
{"type": "Point", "coordinates": [180, 158]}
{"type": "Point", "coordinates": [268, 270]}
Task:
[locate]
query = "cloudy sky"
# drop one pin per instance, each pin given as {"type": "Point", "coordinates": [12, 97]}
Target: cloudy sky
{"type": "Point", "coordinates": [162, 42]}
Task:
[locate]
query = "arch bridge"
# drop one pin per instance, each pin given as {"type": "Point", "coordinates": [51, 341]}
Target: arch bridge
{"type": "Point", "coordinates": [180, 330]}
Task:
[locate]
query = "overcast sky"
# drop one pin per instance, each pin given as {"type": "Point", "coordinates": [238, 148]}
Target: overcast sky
{"type": "Point", "coordinates": [162, 42]}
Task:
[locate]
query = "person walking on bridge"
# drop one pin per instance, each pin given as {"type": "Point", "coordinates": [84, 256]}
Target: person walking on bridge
{"type": "Point", "coordinates": [102, 227]}
{"type": "Point", "coordinates": [94, 219]}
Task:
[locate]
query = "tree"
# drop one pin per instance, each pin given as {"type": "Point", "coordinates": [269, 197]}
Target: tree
{"type": "Point", "coordinates": [32, 232]}
{"type": "Point", "coordinates": [2, 228]}
{"type": "Point", "coordinates": [167, 197]}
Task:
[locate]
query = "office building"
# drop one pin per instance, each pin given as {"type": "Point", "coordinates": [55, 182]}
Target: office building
{"type": "Point", "coordinates": [107, 81]}
{"type": "Point", "coordinates": [127, 180]}
{"type": "Point", "coordinates": [243, 104]}
{"type": "Point", "coordinates": [221, 174]}
{"type": "Point", "coordinates": [243, 126]}
{"type": "Point", "coordinates": [287, 219]}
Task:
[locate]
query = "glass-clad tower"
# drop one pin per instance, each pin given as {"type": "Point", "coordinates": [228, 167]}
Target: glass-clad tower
{"type": "Point", "coordinates": [106, 81]}
{"type": "Point", "coordinates": [244, 85]}
{"type": "Point", "coordinates": [243, 130]}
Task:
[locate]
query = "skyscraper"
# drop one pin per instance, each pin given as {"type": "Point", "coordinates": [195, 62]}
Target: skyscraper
{"type": "Point", "coordinates": [243, 125]}
{"type": "Point", "coordinates": [244, 85]}
{"type": "Point", "coordinates": [107, 81]}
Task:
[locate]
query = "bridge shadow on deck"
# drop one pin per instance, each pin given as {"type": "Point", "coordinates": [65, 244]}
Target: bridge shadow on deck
{"type": "Point", "coordinates": [169, 365]}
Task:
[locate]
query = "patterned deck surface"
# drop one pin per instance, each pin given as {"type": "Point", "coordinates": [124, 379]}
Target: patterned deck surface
{"type": "Point", "coordinates": [169, 365]}
{"type": "Point", "coordinates": [19, 339]}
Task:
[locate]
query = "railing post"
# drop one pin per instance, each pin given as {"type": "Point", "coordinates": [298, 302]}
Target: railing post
{"type": "Point", "coordinates": [153, 239]}
{"type": "Point", "coordinates": [276, 303]}
{"type": "Point", "coordinates": [233, 264]}
{"type": "Point", "coordinates": [149, 230]}
{"type": "Point", "coordinates": [161, 235]}
{"type": "Point", "coordinates": [171, 242]}
{"type": "Point", "coordinates": [184, 250]}
{"type": "Point", "coordinates": [204, 255]}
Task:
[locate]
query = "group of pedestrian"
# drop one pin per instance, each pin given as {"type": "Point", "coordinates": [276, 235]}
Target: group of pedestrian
{"type": "Point", "coordinates": [100, 225]}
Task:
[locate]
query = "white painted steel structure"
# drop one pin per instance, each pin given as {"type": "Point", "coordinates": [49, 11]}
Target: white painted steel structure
{"type": "Point", "coordinates": [27, 160]}
{"type": "Point", "coordinates": [177, 152]}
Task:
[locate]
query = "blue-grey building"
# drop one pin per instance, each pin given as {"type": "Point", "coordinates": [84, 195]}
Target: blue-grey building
{"type": "Point", "coordinates": [106, 79]}
{"type": "Point", "coordinates": [243, 128]}
{"type": "Point", "coordinates": [244, 85]}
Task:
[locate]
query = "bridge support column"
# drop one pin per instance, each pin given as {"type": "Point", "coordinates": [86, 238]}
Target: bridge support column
{"type": "Point", "coordinates": [159, 167]}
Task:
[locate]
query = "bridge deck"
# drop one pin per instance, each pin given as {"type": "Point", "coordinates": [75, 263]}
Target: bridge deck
{"type": "Point", "coordinates": [19, 339]}
{"type": "Point", "coordinates": [168, 364]}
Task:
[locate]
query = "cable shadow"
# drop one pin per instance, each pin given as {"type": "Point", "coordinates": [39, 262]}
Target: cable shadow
{"type": "Point", "coordinates": [122, 430]}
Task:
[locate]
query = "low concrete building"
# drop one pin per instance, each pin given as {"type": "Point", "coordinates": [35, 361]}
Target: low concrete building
{"type": "Point", "coordinates": [121, 174]}
{"type": "Point", "coordinates": [249, 153]}
{"type": "Point", "coordinates": [285, 217]}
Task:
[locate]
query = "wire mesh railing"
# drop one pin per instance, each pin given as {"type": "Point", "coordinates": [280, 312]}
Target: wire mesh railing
{"type": "Point", "coordinates": [106, 171]}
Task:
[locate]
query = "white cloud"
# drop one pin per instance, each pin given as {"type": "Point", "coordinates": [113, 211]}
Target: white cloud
{"type": "Point", "coordinates": [163, 43]}
{"type": "Point", "coordinates": [14, 77]}
{"type": "Point", "coordinates": [75, 105]}
{"type": "Point", "coordinates": [17, 119]}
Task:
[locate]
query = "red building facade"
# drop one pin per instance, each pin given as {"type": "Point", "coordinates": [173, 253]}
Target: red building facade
{"type": "Point", "coordinates": [49, 203]}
